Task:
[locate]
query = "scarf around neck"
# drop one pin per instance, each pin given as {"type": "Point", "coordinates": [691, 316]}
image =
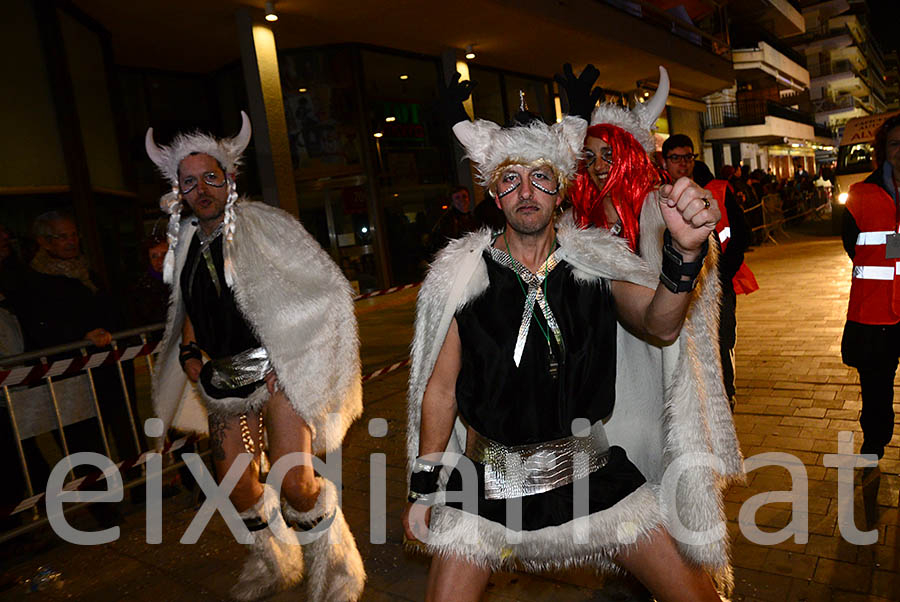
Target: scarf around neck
{"type": "Point", "coordinates": [76, 268]}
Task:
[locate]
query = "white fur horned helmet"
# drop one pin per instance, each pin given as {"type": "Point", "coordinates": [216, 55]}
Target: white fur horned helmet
{"type": "Point", "coordinates": [639, 121]}
{"type": "Point", "coordinates": [491, 147]}
{"type": "Point", "coordinates": [228, 152]}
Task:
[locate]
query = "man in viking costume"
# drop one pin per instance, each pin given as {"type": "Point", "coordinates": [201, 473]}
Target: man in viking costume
{"type": "Point", "coordinates": [261, 325]}
{"type": "Point", "coordinates": [537, 437]}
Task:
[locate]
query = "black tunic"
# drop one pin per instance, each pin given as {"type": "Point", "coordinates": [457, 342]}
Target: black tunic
{"type": "Point", "coordinates": [219, 326]}
{"type": "Point", "coordinates": [525, 404]}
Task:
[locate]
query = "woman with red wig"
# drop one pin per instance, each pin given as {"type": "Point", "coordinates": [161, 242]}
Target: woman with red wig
{"type": "Point", "coordinates": [616, 174]}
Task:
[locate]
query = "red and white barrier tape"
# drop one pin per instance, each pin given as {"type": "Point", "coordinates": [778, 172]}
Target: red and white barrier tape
{"type": "Point", "coordinates": [131, 353]}
{"type": "Point", "coordinates": [29, 375]}
{"type": "Point", "coordinates": [386, 291]}
{"type": "Point", "coordinates": [385, 370]}
{"type": "Point", "coordinates": [90, 479]}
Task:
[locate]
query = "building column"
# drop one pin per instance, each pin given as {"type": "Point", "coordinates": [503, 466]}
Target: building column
{"type": "Point", "coordinates": [69, 128]}
{"type": "Point", "coordinates": [259, 60]}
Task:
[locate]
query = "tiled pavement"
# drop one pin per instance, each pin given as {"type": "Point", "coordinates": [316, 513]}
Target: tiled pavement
{"type": "Point", "coordinates": [794, 396]}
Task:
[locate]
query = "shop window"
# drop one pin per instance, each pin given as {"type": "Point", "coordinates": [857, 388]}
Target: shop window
{"type": "Point", "coordinates": [321, 112]}
{"type": "Point", "coordinates": [487, 96]}
{"type": "Point", "coordinates": [537, 96]}
{"type": "Point", "coordinates": [412, 149]}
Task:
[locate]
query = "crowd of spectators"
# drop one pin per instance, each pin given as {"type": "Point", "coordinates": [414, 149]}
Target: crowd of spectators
{"type": "Point", "coordinates": [50, 297]}
{"type": "Point", "coordinates": [767, 200]}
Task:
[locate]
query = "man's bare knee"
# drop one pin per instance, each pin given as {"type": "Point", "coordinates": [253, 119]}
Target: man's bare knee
{"type": "Point", "coordinates": [247, 490]}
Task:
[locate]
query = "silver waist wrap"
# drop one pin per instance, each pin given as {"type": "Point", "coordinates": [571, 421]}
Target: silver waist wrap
{"type": "Point", "coordinates": [520, 470]}
{"type": "Point", "coordinates": [244, 368]}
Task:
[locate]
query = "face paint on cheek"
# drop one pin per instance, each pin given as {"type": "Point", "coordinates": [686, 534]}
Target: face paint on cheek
{"type": "Point", "coordinates": [503, 193]}
{"type": "Point", "coordinates": [544, 189]}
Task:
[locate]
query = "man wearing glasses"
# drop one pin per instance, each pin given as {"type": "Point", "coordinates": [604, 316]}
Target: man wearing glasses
{"type": "Point", "coordinates": [678, 156]}
{"type": "Point", "coordinates": [734, 238]}
{"type": "Point", "coordinates": [261, 321]}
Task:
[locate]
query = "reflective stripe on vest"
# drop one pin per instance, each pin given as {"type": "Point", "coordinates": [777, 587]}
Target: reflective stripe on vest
{"type": "Point", "coordinates": [875, 272]}
{"type": "Point", "coordinates": [725, 234]}
{"type": "Point", "coordinates": [873, 238]}
{"type": "Point", "coordinates": [875, 287]}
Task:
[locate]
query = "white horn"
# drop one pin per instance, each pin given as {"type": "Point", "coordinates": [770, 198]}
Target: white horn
{"type": "Point", "coordinates": [241, 141]}
{"type": "Point", "coordinates": [153, 151]}
{"type": "Point", "coordinates": [655, 106]}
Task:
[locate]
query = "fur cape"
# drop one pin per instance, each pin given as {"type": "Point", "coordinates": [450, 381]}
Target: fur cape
{"type": "Point", "coordinates": [670, 409]}
{"type": "Point", "coordinates": [300, 307]}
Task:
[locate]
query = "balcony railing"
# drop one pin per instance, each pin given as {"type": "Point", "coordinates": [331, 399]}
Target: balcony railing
{"type": "Point", "coordinates": [824, 131]}
{"type": "Point", "coordinates": [749, 112]}
{"type": "Point", "coordinates": [749, 36]}
{"type": "Point", "coordinates": [844, 102]}
{"type": "Point", "coordinates": [832, 68]}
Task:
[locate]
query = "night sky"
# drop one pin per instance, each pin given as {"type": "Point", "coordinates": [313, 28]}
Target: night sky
{"type": "Point", "coordinates": [886, 22]}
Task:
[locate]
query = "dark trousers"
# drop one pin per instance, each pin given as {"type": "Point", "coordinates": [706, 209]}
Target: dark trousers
{"type": "Point", "coordinates": [727, 337]}
{"type": "Point", "coordinates": [874, 349]}
{"type": "Point", "coordinates": [877, 416]}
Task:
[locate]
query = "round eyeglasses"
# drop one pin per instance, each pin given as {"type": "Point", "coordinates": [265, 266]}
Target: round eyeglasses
{"type": "Point", "coordinates": [590, 157]}
{"type": "Point", "coordinates": [682, 158]}
{"type": "Point", "coordinates": [210, 178]}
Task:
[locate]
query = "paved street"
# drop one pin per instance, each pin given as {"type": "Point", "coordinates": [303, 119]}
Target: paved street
{"type": "Point", "coordinates": [794, 396]}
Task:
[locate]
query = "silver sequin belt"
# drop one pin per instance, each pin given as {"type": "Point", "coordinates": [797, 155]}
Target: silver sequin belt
{"type": "Point", "coordinates": [244, 368]}
{"type": "Point", "coordinates": [520, 470]}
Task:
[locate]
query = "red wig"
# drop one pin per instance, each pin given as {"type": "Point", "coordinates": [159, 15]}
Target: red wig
{"type": "Point", "coordinates": [631, 177]}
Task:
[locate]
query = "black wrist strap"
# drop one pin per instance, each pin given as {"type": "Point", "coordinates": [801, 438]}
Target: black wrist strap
{"type": "Point", "coordinates": [424, 480]}
{"type": "Point", "coordinates": [674, 268]}
{"type": "Point", "coordinates": [188, 352]}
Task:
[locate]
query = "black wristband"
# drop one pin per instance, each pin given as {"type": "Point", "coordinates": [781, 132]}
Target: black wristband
{"type": "Point", "coordinates": [674, 268]}
{"type": "Point", "coordinates": [424, 480]}
{"type": "Point", "coordinates": [191, 351]}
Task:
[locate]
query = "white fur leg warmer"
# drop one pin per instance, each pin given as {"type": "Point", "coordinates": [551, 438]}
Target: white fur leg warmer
{"type": "Point", "coordinates": [276, 561]}
{"type": "Point", "coordinates": [336, 569]}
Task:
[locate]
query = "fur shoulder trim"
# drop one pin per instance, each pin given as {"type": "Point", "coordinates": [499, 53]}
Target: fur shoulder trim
{"type": "Point", "coordinates": [457, 276]}
{"type": "Point", "coordinates": [175, 400]}
{"type": "Point", "coordinates": [596, 253]}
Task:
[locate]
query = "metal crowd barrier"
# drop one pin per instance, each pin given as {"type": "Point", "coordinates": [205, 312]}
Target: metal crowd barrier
{"type": "Point", "coordinates": [774, 220]}
{"type": "Point", "coordinates": [49, 390]}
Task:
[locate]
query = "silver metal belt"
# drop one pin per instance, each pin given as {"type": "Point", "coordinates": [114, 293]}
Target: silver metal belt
{"type": "Point", "coordinates": [244, 368]}
{"type": "Point", "coordinates": [520, 470]}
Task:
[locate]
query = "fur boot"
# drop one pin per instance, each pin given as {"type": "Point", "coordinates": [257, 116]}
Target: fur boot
{"type": "Point", "coordinates": [273, 564]}
{"type": "Point", "coordinates": [336, 571]}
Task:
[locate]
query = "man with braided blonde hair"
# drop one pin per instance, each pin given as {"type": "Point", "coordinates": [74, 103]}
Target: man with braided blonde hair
{"type": "Point", "coordinates": [261, 319]}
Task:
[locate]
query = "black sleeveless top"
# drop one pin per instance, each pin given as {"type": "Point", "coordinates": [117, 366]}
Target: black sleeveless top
{"type": "Point", "coordinates": [525, 404]}
{"type": "Point", "coordinates": [219, 326]}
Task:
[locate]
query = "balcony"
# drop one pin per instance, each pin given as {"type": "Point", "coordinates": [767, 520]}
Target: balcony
{"type": "Point", "coordinates": [759, 121]}
{"type": "Point", "coordinates": [834, 68]}
{"type": "Point", "coordinates": [766, 59]}
{"type": "Point", "coordinates": [840, 108]}
{"type": "Point", "coordinates": [781, 17]}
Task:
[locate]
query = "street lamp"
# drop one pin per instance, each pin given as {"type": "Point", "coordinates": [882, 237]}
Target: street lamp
{"type": "Point", "coordinates": [270, 11]}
